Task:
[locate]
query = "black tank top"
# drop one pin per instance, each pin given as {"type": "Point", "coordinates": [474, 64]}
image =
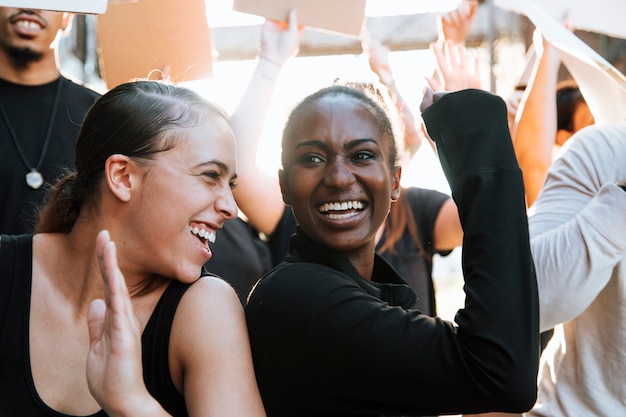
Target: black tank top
{"type": "Point", "coordinates": [18, 396]}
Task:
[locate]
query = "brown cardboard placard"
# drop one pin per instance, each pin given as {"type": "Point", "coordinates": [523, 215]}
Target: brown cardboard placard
{"type": "Point", "coordinates": [342, 16]}
{"type": "Point", "coordinates": [139, 39]}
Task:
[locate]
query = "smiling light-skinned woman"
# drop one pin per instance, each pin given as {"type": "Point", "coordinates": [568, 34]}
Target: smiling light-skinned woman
{"type": "Point", "coordinates": [155, 167]}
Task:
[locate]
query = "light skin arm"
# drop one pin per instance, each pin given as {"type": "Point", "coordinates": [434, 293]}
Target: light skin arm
{"type": "Point", "coordinates": [279, 42]}
{"type": "Point", "coordinates": [378, 58]}
{"type": "Point", "coordinates": [535, 127]}
{"type": "Point", "coordinates": [215, 357]}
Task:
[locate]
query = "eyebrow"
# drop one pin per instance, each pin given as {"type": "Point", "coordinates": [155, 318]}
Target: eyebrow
{"type": "Point", "coordinates": [352, 144]}
{"type": "Point", "coordinates": [220, 164]}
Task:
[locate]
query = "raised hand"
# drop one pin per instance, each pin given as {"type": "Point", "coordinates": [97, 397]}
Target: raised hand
{"type": "Point", "coordinates": [456, 24]}
{"type": "Point", "coordinates": [378, 58]}
{"type": "Point", "coordinates": [114, 368]}
{"type": "Point", "coordinates": [453, 70]}
{"type": "Point", "coordinates": [280, 40]}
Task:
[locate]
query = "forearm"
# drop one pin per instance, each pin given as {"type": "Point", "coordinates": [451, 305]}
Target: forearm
{"type": "Point", "coordinates": [247, 122]}
{"type": "Point", "coordinates": [248, 119]}
{"type": "Point", "coordinates": [412, 136]}
{"type": "Point", "coordinates": [535, 127]}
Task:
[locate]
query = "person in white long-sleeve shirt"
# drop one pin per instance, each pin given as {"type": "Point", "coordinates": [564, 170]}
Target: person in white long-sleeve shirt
{"type": "Point", "coordinates": [578, 239]}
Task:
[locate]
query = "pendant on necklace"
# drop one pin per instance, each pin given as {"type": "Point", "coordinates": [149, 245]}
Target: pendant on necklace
{"type": "Point", "coordinates": [34, 179]}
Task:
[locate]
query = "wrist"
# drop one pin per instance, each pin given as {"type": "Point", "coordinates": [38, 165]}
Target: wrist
{"type": "Point", "coordinates": [271, 61]}
{"type": "Point", "coordinates": [268, 69]}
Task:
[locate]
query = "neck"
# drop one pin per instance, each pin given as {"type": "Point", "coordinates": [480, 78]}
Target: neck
{"type": "Point", "coordinates": [43, 71]}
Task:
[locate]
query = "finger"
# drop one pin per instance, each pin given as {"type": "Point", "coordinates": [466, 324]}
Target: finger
{"type": "Point", "coordinates": [293, 21]}
{"type": "Point", "coordinates": [476, 66]}
{"type": "Point", "coordinates": [460, 56]}
{"type": "Point", "coordinates": [448, 55]}
{"type": "Point", "coordinates": [122, 308]}
{"type": "Point", "coordinates": [456, 18]}
{"type": "Point", "coordinates": [116, 294]}
{"type": "Point", "coordinates": [95, 321]}
{"type": "Point", "coordinates": [472, 9]}
{"type": "Point", "coordinates": [440, 58]}
{"type": "Point", "coordinates": [106, 263]}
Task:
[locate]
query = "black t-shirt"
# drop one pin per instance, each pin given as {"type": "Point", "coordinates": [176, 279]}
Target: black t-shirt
{"type": "Point", "coordinates": [28, 109]}
{"type": "Point", "coordinates": [240, 257]}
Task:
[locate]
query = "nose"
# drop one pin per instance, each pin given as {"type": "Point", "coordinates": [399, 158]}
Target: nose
{"type": "Point", "coordinates": [226, 204]}
{"type": "Point", "coordinates": [339, 175]}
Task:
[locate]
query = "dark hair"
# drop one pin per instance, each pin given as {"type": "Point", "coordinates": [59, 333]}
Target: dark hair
{"type": "Point", "coordinates": [568, 97]}
{"type": "Point", "coordinates": [376, 109]}
{"type": "Point", "coordinates": [138, 119]}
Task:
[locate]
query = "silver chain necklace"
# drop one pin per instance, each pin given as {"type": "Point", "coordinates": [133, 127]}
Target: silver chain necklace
{"type": "Point", "coordinates": [34, 179]}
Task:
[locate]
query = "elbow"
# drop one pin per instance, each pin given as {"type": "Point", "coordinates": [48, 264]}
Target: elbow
{"type": "Point", "coordinates": [519, 392]}
{"type": "Point", "coordinates": [521, 397]}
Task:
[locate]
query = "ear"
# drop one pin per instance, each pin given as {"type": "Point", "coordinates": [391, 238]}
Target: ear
{"type": "Point", "coordinates": [121, 175]}
{"type": "Point", "coordinates": [284, 186]}
{"type": "Point", "coordinates": [395, 187]}
{"type": "Point", "coordinates": [66, 23]}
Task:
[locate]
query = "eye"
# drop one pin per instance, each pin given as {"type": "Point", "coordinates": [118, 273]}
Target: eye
{"type": "Point", "coordinates": [212, 175]}
{"type": "Point", "coordinates": [363, 155]}
{"type": "Point", "coordinates": [310, 159]}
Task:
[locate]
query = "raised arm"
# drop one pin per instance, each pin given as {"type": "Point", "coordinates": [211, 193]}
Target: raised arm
{"type": "Point", "coordinates": [257, 193]}
{"type": "Point", "coordinates": [535, 126]}
{"type": "Point", "coordinates": [378, 58]}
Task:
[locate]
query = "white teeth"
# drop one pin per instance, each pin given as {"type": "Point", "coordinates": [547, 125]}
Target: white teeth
{"type": "Point", "coordinates": [204, 234]}
{"type": "Point", "coordinates": [27, 24]}
{"type": "Point", "coordinates": [346, 205]}
{"type": "Point", "coordinates": [341, 216]}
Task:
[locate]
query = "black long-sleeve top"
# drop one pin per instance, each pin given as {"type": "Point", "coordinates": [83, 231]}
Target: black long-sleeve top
{"type": "Point", "coordinates": [327, 342]}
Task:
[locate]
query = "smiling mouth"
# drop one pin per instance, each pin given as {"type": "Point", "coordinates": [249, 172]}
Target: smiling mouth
{"type": "Point", "coordinates": [28, 25]}
{"type": "Point", "coordinates": [203, 235]}
{"type": "Point", "coordinates": [341, 210]}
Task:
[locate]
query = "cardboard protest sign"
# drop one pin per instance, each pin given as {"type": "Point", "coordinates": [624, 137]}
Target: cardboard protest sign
{"type": "Point", "coordinates": [153, 39]}
{"type": "Point", "coordinates": [345, 16]}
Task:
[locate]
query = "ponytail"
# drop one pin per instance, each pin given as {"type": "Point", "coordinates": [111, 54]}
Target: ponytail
{"type": "Point", "coordinates": [61, 208]}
